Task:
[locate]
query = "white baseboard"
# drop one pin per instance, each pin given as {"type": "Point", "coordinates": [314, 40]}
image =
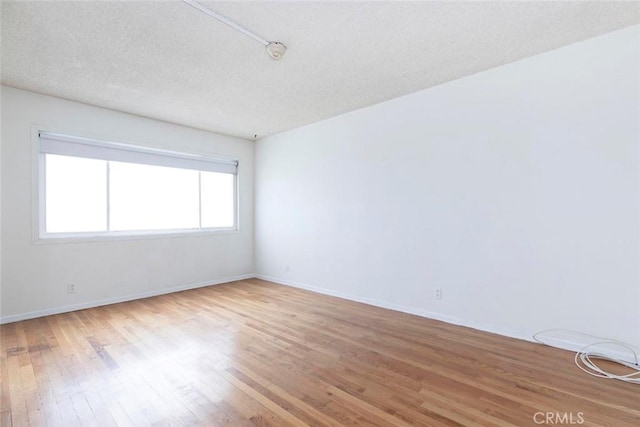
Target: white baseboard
{"type": "Point", "coordinates": [409, 310]}
{"type": "Point", "coordinates": [115, 300]}
{"type": "Point", "coordinates": [563, 344]}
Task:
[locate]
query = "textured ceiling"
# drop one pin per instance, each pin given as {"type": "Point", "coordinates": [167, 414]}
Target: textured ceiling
{"type": "Point", "coordinates": [166, 60]}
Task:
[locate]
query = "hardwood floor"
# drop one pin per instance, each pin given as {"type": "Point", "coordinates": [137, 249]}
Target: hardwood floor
{"type": "Point", "coordinates": [256, 353]}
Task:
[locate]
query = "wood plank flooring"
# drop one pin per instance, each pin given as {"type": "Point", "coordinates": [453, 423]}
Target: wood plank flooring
{"type": "Point", "coordinates": [255, 353]}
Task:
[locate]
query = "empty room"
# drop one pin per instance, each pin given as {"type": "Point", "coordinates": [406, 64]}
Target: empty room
{"type": "Point", "coordinates": [319, 213]}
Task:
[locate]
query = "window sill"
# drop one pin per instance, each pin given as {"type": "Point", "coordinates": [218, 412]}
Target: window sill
{"type": "Point", "coordinates": [62, 238]}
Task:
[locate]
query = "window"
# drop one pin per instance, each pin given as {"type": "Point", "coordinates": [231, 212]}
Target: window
{"type": "Point", "coordinates": [93, 188]}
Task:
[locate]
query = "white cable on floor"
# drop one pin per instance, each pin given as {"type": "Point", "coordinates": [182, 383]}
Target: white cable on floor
{"type": "Point", "coordinates": [585, 358]}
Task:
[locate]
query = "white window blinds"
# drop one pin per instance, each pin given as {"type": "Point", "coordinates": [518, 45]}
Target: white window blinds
{"type": "Point", "coordinates": [52, 143]}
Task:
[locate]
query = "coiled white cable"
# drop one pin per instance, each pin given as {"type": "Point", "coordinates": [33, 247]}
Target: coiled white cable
{"type": "Point", "coordinates": [585, 358]}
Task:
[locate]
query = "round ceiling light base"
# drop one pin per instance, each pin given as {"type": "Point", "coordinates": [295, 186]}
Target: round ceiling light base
{"type": "Point", "coordinates": [276, 50]}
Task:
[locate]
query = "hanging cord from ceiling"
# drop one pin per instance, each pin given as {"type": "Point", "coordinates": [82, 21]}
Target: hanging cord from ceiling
{"type": "Point", "coordinates": [586, 358]}
{"type": "Point", "coordinates": [276, 50]}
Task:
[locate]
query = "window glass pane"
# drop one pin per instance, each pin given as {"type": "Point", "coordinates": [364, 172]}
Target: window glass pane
{"type": "Point", "coordinates": [76, 194]}
{"type": "Point", "coordinates": [145, 197]}
{"type": "Point", "coordinates": [218, 191]}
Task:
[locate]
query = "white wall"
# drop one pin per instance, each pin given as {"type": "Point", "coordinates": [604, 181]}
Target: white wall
{"type": "Point", "coordinates": [0, 206]}
{"type": "Point", "coordinates": [515, 190]}
{"type": "Point", "coordinates": [35, 275]}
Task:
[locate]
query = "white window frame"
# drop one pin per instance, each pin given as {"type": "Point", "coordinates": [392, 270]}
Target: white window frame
{"type": "Point", "coordinates": [130, 153]}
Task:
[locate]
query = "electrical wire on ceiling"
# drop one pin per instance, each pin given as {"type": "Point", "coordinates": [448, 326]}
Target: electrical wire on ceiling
{"type": "Point", "coordinates": [586, 357]}
{"type": "Point", "coordinates": [275, 50]}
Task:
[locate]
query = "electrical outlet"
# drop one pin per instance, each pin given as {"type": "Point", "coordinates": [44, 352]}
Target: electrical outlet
{"type": "Point", "coordinates": [71, 288]}
{"type": "Point", "coordinates": [437, 293]}
{"type": "Point", "coordinates": [286, 268]}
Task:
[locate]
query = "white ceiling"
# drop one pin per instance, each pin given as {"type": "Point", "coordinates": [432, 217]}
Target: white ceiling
{"type": "Point", "coordinates": [166, 60]}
